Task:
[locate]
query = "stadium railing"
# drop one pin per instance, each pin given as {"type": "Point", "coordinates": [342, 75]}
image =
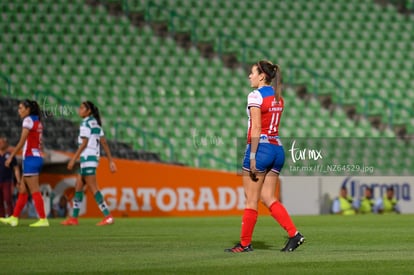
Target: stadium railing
{"type": "Point", "coordinates": [203, 160]}
{"type": "Point", "coordinates": [8, 90]}
{"type": "Point", "coordinates": [144, 140]}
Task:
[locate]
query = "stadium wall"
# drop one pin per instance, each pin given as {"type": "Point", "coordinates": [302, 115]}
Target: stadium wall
{"type": "Point", "coordinates": [145, 189]}
{"type": "Point", "coordinates": [314, 195]}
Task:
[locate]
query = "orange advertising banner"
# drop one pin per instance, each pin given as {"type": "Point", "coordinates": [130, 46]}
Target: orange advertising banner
{"type": "Point", "coordinates": [145, 189]}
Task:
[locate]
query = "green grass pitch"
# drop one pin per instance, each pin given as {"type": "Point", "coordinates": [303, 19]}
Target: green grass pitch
{"type": "Point", "coordinates": [334, 245]}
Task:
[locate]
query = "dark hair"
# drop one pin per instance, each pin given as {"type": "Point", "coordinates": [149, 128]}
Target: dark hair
{"type": "Point", "coordinates": [33, 106]}
{"type": "Point", "coordinates": [94, 111]}
{"type": "Point", "coordinates": [390, 188]}
{"type": "Point", "coordinates": [273, 75]}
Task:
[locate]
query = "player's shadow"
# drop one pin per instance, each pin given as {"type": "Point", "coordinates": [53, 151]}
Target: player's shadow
{"type": "Point", "coordinates": [259, 245]}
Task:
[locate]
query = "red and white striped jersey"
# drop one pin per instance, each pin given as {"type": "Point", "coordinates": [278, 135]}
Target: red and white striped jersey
{"type": "Point", "coordinates": [271, 113]}
{"type": "Point", "coordinates": [33, 144]}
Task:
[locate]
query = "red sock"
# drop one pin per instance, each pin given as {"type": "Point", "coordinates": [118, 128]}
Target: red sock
{"type": "Point", "coordinates": [248, 222]}
{"type": "Point", "coordinates": [279, 213]}
{"type": "Point", "coordinates": [38, 203]}
{"type": "Point", "coordinates": [20, 203]}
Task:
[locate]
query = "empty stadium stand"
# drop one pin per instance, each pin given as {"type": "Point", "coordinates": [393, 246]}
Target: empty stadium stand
{"type": "Point", "coordinates": [144, 64]}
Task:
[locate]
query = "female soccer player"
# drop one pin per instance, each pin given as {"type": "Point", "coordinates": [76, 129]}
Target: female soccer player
{"type": "Point", "coordinates": [264, 156]}
{"type": "Point", "coordinates": [90, 137]}
{"type": "Point", "coordinates": [31, 142]}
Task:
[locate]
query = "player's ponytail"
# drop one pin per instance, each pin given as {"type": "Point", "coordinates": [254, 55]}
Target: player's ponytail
{"type": "Point", "coordinates": [94, 111]}
{"type": "Point", "coordinates": [277, 82]}
{"type": "Point", "coordinates": [273, 75]}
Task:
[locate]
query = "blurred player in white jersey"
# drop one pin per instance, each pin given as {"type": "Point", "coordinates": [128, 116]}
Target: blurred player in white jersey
{"type": "Point", "coordinates": [91, 135]}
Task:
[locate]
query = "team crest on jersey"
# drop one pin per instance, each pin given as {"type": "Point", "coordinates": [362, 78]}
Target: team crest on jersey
{"type": "Point", "coordinates": [254, 95]}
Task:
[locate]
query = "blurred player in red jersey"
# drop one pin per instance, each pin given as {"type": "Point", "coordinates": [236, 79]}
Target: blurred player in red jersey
{"type": "Point", "coordinates": [31, 143]}
{"type": "Point", "coordinates": [264, 156]}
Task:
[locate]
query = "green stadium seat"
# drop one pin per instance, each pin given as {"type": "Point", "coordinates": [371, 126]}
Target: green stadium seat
{"type": "Point", "coordinates": [126, 68]}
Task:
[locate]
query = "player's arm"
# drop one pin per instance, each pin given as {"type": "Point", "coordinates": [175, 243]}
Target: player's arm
{"type": "Point", "coordinates": [254, 101]}
{"type": "Point", "coordinates": [75, 157]}
{"type": "Point", "coordinates": [255, 129]}
{"type": "Point", "coordinates": [105, 146]}
{"type": "Point", "coordinates": [16, 170]}
{"type": "Point", "coordinates": [19, 146]}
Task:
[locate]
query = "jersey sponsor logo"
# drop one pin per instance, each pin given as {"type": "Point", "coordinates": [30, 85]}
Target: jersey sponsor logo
{"type": "Point", "coordinates": [254, 95]}
{"type": "Point", "coordinates": [275, 109]}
